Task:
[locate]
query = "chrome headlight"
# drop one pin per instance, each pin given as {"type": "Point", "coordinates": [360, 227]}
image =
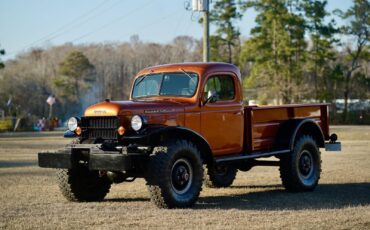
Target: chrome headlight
{"type": "Point", "coordinates": [136, 122]}
{"type": "Point", "coordinates": [72, 123]}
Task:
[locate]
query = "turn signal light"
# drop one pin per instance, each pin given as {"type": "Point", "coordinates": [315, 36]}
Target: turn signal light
{"type": "Point", "coordinates": [121, 130]}
{"type": "Point", "coordinates": [78, 131]}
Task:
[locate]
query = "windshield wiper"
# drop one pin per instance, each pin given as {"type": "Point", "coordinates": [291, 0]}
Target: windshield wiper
{"type": "Point", "coordinates": [191, 78]}
{"type": "Point", "coordinates": [142, 79]}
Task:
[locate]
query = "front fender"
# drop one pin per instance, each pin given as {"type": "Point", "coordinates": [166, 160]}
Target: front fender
{"type": "Point", "coordinates": [157, 135]}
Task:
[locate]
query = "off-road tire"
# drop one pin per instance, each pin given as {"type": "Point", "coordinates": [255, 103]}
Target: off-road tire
{"type": "Point", "coordinates": [162, 166]}
{"type": "Point", "coordinates": [219, 178]}
{"type": "Point", "coordinates": [81, 184]}
{"type": "Point", "coordinates": [293, 170]}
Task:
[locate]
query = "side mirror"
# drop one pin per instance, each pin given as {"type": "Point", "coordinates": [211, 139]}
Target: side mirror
{"type": "Point", "coordinates": [212, 97]}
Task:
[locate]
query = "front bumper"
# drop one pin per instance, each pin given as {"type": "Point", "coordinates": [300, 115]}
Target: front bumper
{"type": "Point", "coordinates": [92, 156]}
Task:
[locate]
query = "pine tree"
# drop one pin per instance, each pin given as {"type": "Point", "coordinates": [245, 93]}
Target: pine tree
{"type": "Point", "coordinates": [321, 52]}
{"type": "Point", "coordinates": [2, 52]}
{"type": "Point", "coordinates": [75, 75]}
{"type": "Point", "coordinates": [276, 50]}
{"type": "Point", "coordinates": [358, 30]}
{"type": "Point", "coordinates": [223, 44]}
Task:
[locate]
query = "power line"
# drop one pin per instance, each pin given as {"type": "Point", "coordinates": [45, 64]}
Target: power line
{"type": "Point", "coordinates": [146, 4]}
{"type": "Point", "coordinates": [179, 21]}
{"type": "Point", "coordinates": [64, 29]}
{"type": "Point", "coordinates": [69, 23]}
{"type": "Point", "coordinates": [153, 22]}
{"type": "Point", "coordinates": [185, 28]}
{"type": "Point", "coordinates": [86, 20]}
{"type": "Point", "coordinates": [57, 34]}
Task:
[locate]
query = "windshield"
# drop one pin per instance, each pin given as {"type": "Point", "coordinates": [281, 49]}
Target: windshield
{"type": "Point", "coordinates": [165, 84]}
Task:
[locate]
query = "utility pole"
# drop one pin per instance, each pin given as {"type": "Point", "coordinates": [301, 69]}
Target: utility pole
{"type": "Point", "coordinates": [206, 33]}
{"type": "Point", "coordinates": [203, 6]}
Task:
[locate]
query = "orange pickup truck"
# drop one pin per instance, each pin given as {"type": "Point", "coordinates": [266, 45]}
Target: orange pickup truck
{"type": "Point", "coordinates": [186, 124]}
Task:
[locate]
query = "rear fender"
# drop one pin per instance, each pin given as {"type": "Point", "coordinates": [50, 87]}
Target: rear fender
{"type": "Point", "coordinates": [290, 130]}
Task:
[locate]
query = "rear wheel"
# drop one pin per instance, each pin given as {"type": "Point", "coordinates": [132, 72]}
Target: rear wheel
{"type": "Point", "coordinates": [220, 176]}
{"type": "Point", "coordinates": [175, 175]}
{"type": "Point", "coordinates": [300, 171]}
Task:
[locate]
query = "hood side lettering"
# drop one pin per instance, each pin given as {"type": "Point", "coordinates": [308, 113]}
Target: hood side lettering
{"type": "Point", "coordinates": [159, 111]}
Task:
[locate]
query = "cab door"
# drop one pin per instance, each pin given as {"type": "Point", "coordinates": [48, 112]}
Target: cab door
{"type": "Point", "coordinates": [222, 121]}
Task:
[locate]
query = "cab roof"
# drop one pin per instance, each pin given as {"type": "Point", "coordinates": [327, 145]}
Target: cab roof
{"type": "Point", "coordinates": [198, 67]}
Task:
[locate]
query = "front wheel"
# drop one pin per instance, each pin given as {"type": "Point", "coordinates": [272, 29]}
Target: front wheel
{"type": "Point", "coordinates": [300, 171]}
{"type": "Point", "coordinates": [81, 184]}
{"type": "Point", "coordinates": [175, 175]}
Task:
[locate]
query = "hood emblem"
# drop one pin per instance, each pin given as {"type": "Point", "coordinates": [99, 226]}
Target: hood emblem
{"type": "Point", "coordinates": [100, 111]}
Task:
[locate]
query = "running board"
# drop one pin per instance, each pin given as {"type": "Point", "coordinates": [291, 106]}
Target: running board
{"type": "Point", "coordinates": [250, 156]}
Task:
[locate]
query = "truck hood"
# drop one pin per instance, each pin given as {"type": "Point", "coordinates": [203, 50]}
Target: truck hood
{"type": "Point", "coordinates": [164, 112]}
{"type": "Point", "coordinates": [116, 108]}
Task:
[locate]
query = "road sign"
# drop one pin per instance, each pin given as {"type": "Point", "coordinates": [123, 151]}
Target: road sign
{"type": "Point", "coordinates": [50, 100]}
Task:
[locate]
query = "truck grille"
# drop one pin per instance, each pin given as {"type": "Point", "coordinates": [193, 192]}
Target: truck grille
{"type": "Point", "coordinates": [99, 127]}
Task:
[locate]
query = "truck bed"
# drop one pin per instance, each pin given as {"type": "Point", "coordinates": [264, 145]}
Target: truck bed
{"type": "Point", "coordinates": [263, 122]}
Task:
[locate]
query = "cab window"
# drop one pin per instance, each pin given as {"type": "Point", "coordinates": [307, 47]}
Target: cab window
{"type": "Point", "coordinates": [222, 86]}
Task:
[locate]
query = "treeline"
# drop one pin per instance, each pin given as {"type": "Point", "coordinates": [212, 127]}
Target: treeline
{"type": "Point", "coordinates": [296, 53]}
{"type": "Point", "coordinates": [81, 75]}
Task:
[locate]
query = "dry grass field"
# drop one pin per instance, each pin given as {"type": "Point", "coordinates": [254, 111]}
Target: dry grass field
{"type": "Point", "coordinates": [30, 199]}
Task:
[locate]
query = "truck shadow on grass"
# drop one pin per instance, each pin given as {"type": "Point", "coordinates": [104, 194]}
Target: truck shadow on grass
{"type": "Point", "coordinates": [274, 197]}
{"type": "Point", "coordinates": [130, 199]}
{"type": "Point", "coordinates": [13, 164]}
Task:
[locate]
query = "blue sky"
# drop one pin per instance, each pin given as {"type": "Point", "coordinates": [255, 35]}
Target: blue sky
{"type": "Point", "coordinates": [28, 23]}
